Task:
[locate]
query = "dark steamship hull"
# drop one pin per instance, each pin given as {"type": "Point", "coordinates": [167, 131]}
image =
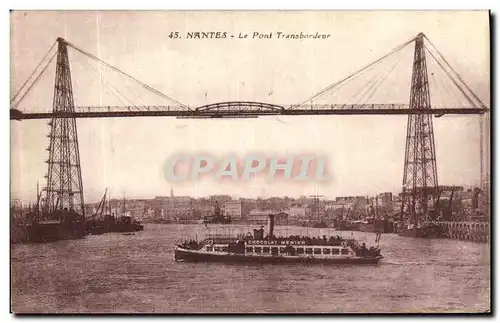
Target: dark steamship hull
{"type": "Point", "coordinates": [347, 227]}
{"type": "Point", "coordinates": [428, 231]}
{"type": "Point", "coordinates": [181, 254]}
{"type": "Point", "coordinates": [387, 227]}
{"type": "Point", "coordinates": [419, 233]}
{"type": "Point", "coordinates": [54, 231]}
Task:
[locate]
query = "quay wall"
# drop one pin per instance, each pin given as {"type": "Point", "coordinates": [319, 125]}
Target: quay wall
{"type": "Point", "coordinates": [469, 231]}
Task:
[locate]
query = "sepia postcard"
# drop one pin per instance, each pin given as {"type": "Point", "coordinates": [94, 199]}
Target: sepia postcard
{"type": "Point", "coordinates": [250, 162]}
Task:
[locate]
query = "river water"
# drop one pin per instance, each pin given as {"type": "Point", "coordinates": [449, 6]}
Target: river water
{"type": "Point", "coordinates": [115, 273]}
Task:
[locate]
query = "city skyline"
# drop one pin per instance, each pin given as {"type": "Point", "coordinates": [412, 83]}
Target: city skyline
{"type": "Point", "coordinates": [119, 198]}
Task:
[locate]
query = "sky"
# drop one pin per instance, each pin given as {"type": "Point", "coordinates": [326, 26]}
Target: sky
{"type": "Point", "coordinates": [364, 154]}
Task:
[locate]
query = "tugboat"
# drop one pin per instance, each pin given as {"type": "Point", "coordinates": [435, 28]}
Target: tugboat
{"type": "Point", "coordinates": [99, 222]}
{"type": "Point", "coordinates": [103, 221]}
{"type": "Point", "coordinates": [320, 225]}
{"type": "Point", "coordinates": [217, 218]}
{"type": "Point", "coordinates": [272, 249]}
{"type": "Point", "coordinates": [125, 223]}
{"type": "Point", "coordinates": [426, 230]}
{"type": "Point", "coordinates": [342, 224]}
{"type": "Point", "coordinates": [419, 225]}
{"type": "Point", "coordinates": [372, 224]}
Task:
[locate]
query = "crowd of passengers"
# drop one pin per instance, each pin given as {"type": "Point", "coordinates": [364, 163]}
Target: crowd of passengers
{"type": "Point", "coordinates": [363, 251]}
{"type": "Point", "coordinates": [321, 241]}
{"type": "Point", "coordinates": [258, 234]}
{"type": "Point", "coordinates": [332, 241]}
{"type": "Point", "coordinates": [191, 244]}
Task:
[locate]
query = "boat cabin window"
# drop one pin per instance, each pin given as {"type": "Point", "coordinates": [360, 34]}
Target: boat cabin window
{"type": "Point", "coordinates": [326, 251]}
{"type": "Point", "coordinates": [274, 250]}
{"type": "Point", "coordinates": [309, 250]}
{"type": "Point", "coordinates": [345, 251]}
{"type": "Point", "coordinates": [224, 249]}
{"type": "Point", "coordinates": [209, 248]}
{"type": "Point", "coordinates": [249, 249]}
{"type": "Point", "coordinates": [257, 249]}
{"type": "Point", "coordinates": [317, 251]}
{"type": "Point", "coordinates": [282, 249]}
{"type": "Point", "coordinates": [265, 250]}
{"type": "Point", "coordinates": [217, 249]}
{"type": "Point", "coordinates": [300, 251]}
{"type": "Point", "coordinates": [335, 251]}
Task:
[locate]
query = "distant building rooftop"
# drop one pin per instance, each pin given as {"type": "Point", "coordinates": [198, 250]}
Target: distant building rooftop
{"type": "Point", "coordinates": [266, 213]}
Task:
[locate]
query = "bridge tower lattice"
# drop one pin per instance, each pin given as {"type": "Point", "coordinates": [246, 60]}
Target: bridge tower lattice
{"type": "Point", "coordinates": [64, 179]}
{"type": "Point", "coordinates": [420, 179]}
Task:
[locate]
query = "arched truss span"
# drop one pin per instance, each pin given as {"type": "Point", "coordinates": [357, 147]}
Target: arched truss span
{"type": "Point", "coordinates": [242, 106]}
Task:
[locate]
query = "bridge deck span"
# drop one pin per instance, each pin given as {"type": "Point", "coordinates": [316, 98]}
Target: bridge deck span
{"type": "Point", "coordinates": [235, 112]}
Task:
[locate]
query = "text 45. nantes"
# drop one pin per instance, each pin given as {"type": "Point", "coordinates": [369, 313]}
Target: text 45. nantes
{"type": "Point", "coordinates": [243, 35]}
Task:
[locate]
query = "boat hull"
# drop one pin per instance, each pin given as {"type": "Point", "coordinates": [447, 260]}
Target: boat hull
{"type": "Point", "coordinates": [379, 226]}
{"type": "Point", "coordinates": [418, 233]}
{"type": "Point", "coordinates": [347, 227]}
{"type": "Point", "coordinates": [109, 224]}
{"type": "Point", "coordinates": [426, 231]}
{"type": "Point", "coordinates": [49, 232]}
{"type": "Point", "coordinates": [181, 254]}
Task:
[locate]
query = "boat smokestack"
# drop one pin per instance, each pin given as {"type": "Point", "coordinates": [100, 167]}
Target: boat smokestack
{"type": "Point", "coordinates": [270, 225]}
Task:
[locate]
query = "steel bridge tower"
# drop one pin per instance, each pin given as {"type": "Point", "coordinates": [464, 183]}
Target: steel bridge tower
{"type": "Point", "coordinates": [420, 181]}
{"type": "Point", "coordinates": [64, 179]}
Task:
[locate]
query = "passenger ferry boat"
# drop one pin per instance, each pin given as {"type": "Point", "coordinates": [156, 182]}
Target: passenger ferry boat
{"type": "Point", "coordinates": [271, 249]}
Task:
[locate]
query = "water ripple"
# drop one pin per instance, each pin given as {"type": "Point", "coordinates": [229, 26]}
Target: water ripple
{"type": "Point", "coordinates": [113, 273]}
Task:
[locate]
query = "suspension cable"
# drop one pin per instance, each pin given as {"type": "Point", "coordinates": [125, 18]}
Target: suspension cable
{"type": "Point", "coordinates": [453, 80]}
{"type": "Point", "coordinates": [444, 85]}
{"type": "Point", "coordinates": [364, 89]}
{"type": "Point", "coordinates": [33, 73]}
{"type": "Point", "coordinates": [381, 80]}
{"type": "Point", "coordinates": [359, 71]}
{"type": "Point", "coordinates": [34, 82]}
{"type": "Point", "coordinates": [372, 85]}
{"type": "Point", "coordinates": [127, 75]}
{"type": "Point", "coordinates": [456, 74]}
{"type": "Point", "coordinates": [106, 82]}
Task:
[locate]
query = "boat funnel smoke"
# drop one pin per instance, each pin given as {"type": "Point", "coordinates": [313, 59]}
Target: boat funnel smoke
{"type": "Point", "coordinates": [270, 225]}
